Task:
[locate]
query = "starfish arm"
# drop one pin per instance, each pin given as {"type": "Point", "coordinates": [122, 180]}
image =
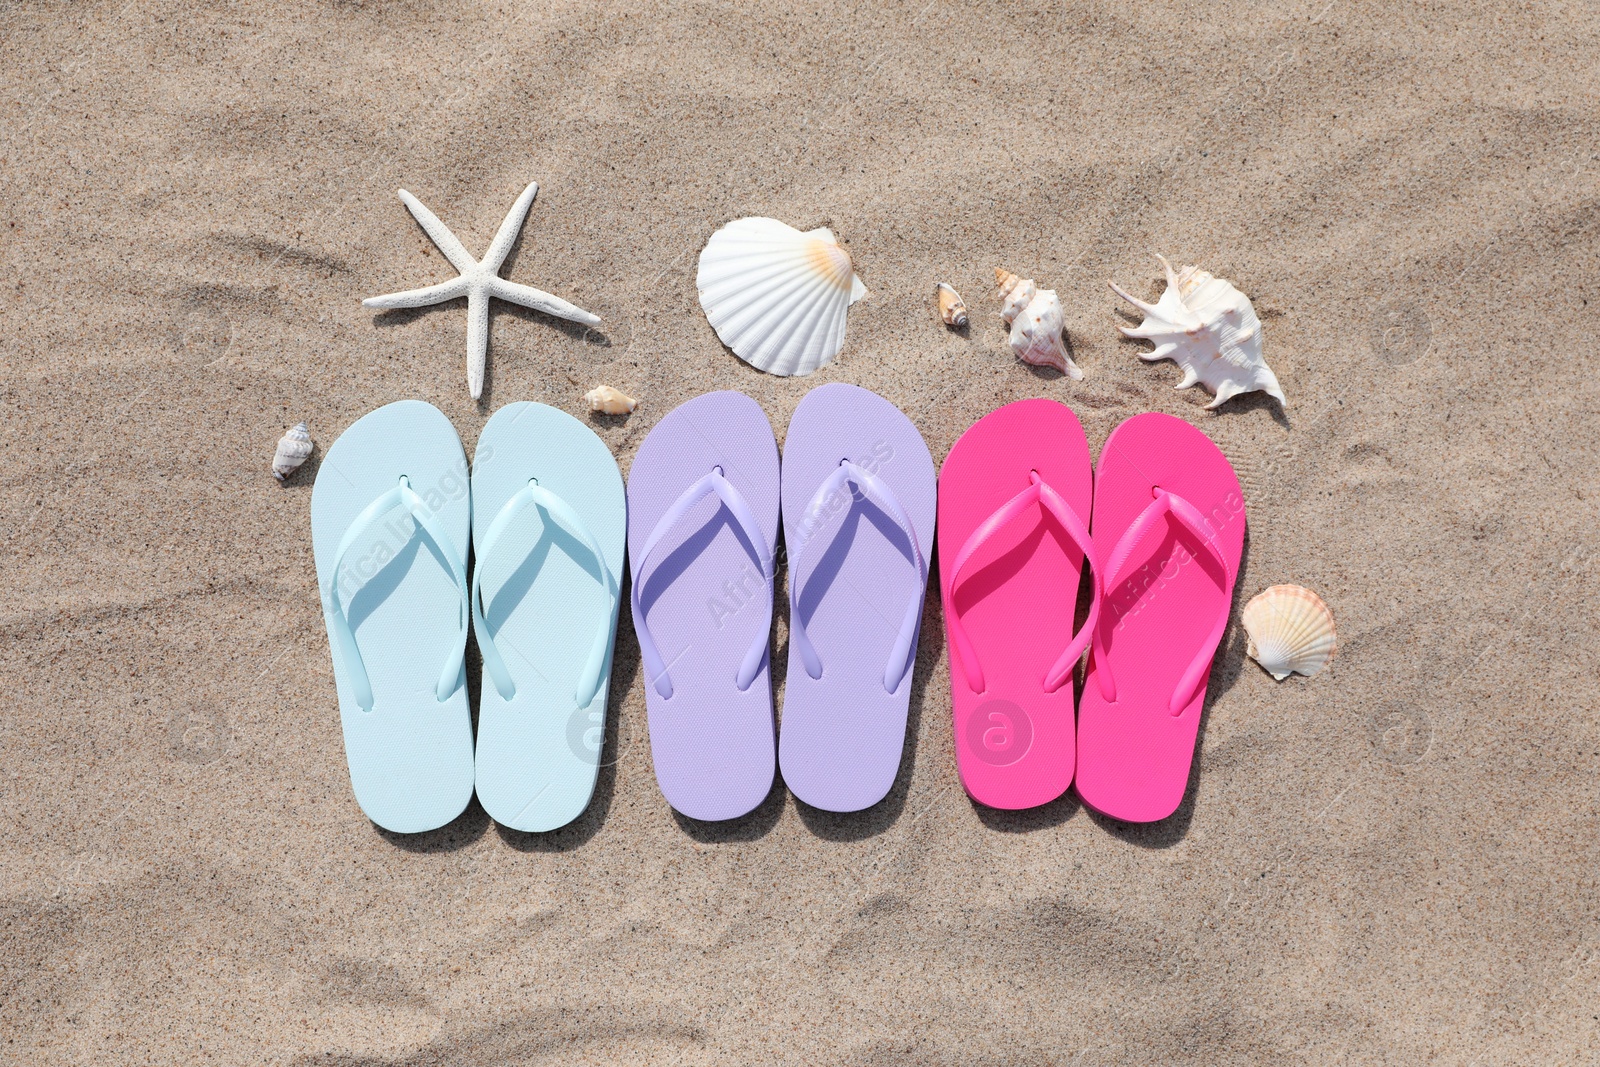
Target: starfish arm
{"type": "Point", "coordinates": [477, 340]}
{"type": "Point", "coordinates": [507, 235]}
{"type": "Point", "coordinates": [440, 233]}
{"type": "Point", "coordinates": [539, 300]}
{"type": "Point", "coordinates": [416, 298]}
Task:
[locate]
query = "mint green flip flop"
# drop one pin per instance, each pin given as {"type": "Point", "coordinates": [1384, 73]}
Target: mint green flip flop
{"type": "Point", "coordinates": [389, 519]}
{"type": "Point", "coordinates": [549, 520]}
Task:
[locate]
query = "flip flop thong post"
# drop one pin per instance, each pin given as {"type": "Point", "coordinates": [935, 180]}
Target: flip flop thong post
{"type": "Point", "coordinates": [703, 520]}
{"type": "Point", "coordinates": [549, 520]}
{"type": "Point", "coordinates": [1014, 497]}
{"type": "Point", "coordinates": [858, 513]}
{"type": "Point", "coordinates": [389, 518]}
{"type": "Point", "coordinates": [1169, 528]}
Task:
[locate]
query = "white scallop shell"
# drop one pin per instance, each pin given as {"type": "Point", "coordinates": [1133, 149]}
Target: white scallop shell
{"type": "Point", "coordinates": [294, 447]}
{"type": "Point", "coordinates": [1034, 316]}
{"type": "Point", "coordinates": [609, 401]}
{"type": "Point", "coordinates": [1291, 631]}
{"type": "Point", "coordinates": [1209, 329]}
{"type": "Point", "coordinates": [777, 296]}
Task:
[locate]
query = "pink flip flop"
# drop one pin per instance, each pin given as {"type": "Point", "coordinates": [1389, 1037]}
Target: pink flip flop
{"type": "Point", "coordinates": [1014, 497]}
{"type": "Point", "coordinates": [1169, 528]}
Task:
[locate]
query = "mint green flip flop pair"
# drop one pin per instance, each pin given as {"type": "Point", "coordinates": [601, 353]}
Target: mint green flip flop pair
{"type": "Point", "coordinates": [391, 513]}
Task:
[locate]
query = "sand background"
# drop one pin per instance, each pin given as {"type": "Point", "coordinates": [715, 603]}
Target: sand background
{"type": "Point", "coordinates": [1392, 863]}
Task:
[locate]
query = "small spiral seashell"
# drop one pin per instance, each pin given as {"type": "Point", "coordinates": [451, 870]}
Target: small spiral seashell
{"type": "Point", "coordinates": [294, 447]}
{"type": "Point", "coordinates": [952, 309]}
{"type": "Point", "coordinates": [1291, 631]}
{"type": "Point", "coordinates": [1034, 316]}
{"type": "Point", "coordinates": [609, 401]}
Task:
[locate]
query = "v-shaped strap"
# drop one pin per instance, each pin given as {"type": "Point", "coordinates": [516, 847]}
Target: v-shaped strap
{"type": "Point", "coordinates": [1037, 492]}
{"type": "Point", "coordinates": [736, 504]}
{"type": "Point", "coordinates": [903, 652]}
{"type": "Point", "coordinates": [549, 504]}
{"type": "Point", "coordinates": [1191, 518]}
{"type": "Point", "coordinates": [344, 638]}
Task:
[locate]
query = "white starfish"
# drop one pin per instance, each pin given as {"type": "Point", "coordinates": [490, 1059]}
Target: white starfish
{"type": "Point", "coordinates": [479, 281]}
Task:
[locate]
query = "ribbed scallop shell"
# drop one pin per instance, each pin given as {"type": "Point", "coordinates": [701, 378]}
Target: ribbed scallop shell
{"type": "Point", "coordinates": [1208, 328]}
{"type": "Point", "coordinates": [777, 296]}
{"type": "Point", "coordinates": [294, 448]}
{"type": "Point", "coordinates": [1291, 631]}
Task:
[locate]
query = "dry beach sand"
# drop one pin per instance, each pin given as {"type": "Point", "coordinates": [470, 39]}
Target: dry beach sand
{"type": "Point", "coordinates": [1392, 863]}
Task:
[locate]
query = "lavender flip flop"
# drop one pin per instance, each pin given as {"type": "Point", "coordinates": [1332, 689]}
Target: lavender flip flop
{"type": "Point", "coordinates": [858, 510]}
{"type": "Point", "coordinates": [702, 522]}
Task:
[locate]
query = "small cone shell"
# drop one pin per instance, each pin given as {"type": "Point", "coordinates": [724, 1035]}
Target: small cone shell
{"type": "Point", "coordinates": [609, 401]}
{"type": "Point", "coordinates": [1291, 631]}
{"type": "Point", "coordinates": [952, 309]}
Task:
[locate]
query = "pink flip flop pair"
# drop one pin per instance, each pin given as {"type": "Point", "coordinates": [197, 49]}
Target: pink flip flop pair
{"type": "Point", "coordinates": [1162, 523]}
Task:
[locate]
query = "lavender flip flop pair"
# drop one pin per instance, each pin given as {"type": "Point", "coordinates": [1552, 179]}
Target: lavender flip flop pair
{"type": "Point", "coordinates": [857, 493]}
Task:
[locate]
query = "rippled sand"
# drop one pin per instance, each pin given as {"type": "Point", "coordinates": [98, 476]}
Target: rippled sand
{"type": "Point", "coordinates": [1393, 863]}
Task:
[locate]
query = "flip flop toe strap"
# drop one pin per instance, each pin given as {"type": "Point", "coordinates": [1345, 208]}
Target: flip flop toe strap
{"type": "Point", "coordinates": [344, 638]}
{"type": "Point", "coordinates": [1194, 521]}
{"type": "Point", "coordinates": [1038, 492]}
{"type": "Point", "coordinates": [904, 650]}
{"type": "Point", "coordinates": [750, 527]}
{"type": "Point", "coordinates": [549, 505]}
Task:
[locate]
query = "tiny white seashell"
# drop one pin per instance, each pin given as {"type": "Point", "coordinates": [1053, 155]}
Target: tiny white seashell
{"type": "Point", "coordinates": [1291, 631]}
{"type": "Point", "coordinates": [294, 447]}
{"type": "Point", "coordinates": [609, 401]}
{"type": "Point", "coordinates": [1208, 328]}
{"type": "Point", "coordinates": [952, 309]}
{"type": "Point", "coordinates": [777, 296]}
{"type": "Point", "coordinates": [1034, 316]}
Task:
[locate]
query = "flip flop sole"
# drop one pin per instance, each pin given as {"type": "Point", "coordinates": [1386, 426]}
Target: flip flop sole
{"type": "Point", "coordinates": [410, 756]}
{"type": "Point", "coordinates": [843, 734]}
{"type": "Point", "coordinates": [1134, 754]}
{"type": "Point", "coordinates": [546, 600]}
{"type": "Point", "coordinates": [707, 602]}
{"type": "Point", "coordinates": [1017, 596]}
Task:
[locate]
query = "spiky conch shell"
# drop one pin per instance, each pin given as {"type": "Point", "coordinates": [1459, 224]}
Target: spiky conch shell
{"type": "Point", "coordinates": [1034, 316]}
{"type": "Point", "coordinates": [294, 448]}
{"type": "Point", "coordinates": [952, 309]}
{"type": "Point", "coordinates": [1291, 631]}
{"type": "Point", "coordinates": [609, 401]}
{"type": "Point", "coordinates": [777, 296]}
{"type": "Point", "coordinates": [1208, 328]}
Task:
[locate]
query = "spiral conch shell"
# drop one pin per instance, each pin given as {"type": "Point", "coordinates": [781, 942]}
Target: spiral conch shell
{"type": "Point", "coordinates": [1209, 329]}
{"type": "Point", "coordinates": [952, 309]}
{"type": "Point", "coordinates": [609, 401]}
{"type": "Point", "coordinates": [1291, 631]}
{"type": "Point", "coordinates": [1034, 316]}
{"type": "Point", "coordinates": [294, 447]}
